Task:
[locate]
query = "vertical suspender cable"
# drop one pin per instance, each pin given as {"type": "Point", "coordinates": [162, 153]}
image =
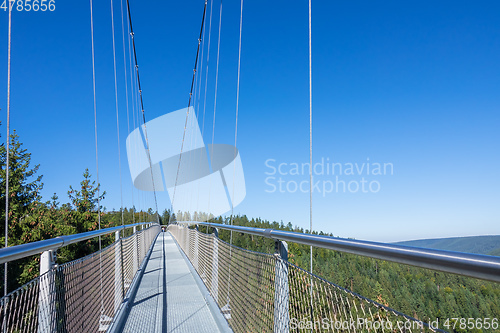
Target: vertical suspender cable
{"type": "Point", "coordinates": [95, 118]}
{"type": "Point", "coordinates": [200, 77]}
{"type": "Point", "coordinates": [215, 101]}
{"type": "Point", "coordinates": [140, 194]}
{"type": "Point", "coordinates": [134, 106]}
{"type": "Point", "coordinates": [310, 151]}
{"type": "Point", "coordinates": [96, 152]}
{"type": "Point", "coordinates": [206, 82]}
{"type": "Point", "coordinates": [235, 149]}
{"type": "Point", "coordinates": [237, 109]}
{"type": "Point", "coordinates": [126, 93]}
{"type": "Point", "coordinates": [137, 122]}
{"type": "Point", "coordinates": [206, 71]}
{"type": "Point", "coordinates": [117, 116]}
{"type": "Point", "coordinates": [122, 286]}
{"type": "Point", "coordinates": [7, 148]}
{"type": "Point", "coordinates": [142, 109]}
{"type": "Point", "coordinates": [132, 101]}
{"type": "Point", "coordinates": [189, 102]}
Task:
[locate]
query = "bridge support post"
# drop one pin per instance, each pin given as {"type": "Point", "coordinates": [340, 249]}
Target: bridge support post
{"type": "Point", "coordinates": [281, 290]}
{"type": "Point", "coordinates": [196, 250]}
{"type": "Point", "coordinates": [215, 266]}
{"type": "Point", "coordinates": [134, 252]}
{"type": "Point", "coordinates": [46, 298]}
{"type": "Point", "coordinates": [118, 272]}
{"type": "Point", "coordinates": [142, 245]}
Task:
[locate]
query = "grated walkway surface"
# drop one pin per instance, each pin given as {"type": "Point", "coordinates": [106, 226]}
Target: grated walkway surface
{"type": "Point", "coordinates": [168, 298]}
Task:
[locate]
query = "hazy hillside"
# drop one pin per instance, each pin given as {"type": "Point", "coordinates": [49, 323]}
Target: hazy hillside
{"type": "Point", "coordinates": [495, 253]}
{"type": "Point", "coordinates": [474, 244]}
{"type": "Point", "coordinates": [415, 291]}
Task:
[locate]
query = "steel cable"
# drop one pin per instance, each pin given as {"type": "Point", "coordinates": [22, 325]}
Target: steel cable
{"type": "Point", "coordinates": [310, 146]}
{"type": "Point", "coordinates": [264, 286]}
{"type": "Point", "coordinates": [7, 148]}
{"type": "Point", "coordinates": [189, 104]}
{"type": "Point", "coordinates": [66, 298]}
{"type": "Point", "coordinates": [215, 104]}
{"type": "Point", "coordinates": [96, 146]}
{"type": "Point", "coordinates": [142, 108]}
{"type": "Point", "coordinates": [117, 115]}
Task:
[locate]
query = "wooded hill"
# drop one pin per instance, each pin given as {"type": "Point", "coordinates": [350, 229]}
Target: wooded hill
{"type": "Point", "coordinates": [489, 245]}
{"type": "Point", "coordinates": [420, 293]}
{"type": "Point", "coordinates": [417, 292]}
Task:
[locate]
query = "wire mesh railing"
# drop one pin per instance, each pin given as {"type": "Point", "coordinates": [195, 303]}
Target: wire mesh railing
{"type": "Point", "coordinates": [260, 292]}
{"type": "Point", "coordinates": [83, 295]}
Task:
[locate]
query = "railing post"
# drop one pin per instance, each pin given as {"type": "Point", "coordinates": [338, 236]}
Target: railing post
{"type": "Point", "coordinates": [187, 242]}
{"type": "Point", "coordinates": [118, 271]}
{"type": "Point", "coordinates": [46, 304]}
{"type": "Point", "coordinates": [134, 252]}
{"type": "Point", "coordinates": [142, 248]}
{"type": "Point", "coordinates": [196, 251]}
{"type": "Point", "coordinates": [215, 266]}
{"type": "Point", "coordinates": [281, 290]}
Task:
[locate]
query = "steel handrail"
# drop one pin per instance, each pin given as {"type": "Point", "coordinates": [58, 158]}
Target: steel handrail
{"type": "Point", "coordinates": [25, 250]}
{"type": "Point", "coordinates": [472, 265]}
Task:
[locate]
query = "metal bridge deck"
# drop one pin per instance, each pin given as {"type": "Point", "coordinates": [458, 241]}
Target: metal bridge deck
{"type": "Point", "coordinates": [168, 298]}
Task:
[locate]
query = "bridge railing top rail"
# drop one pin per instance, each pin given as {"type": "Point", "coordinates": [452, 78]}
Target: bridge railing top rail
{"type": "Point", "coordinates": [11, 253]}
{"type": "Point", "coordinates": [467, 264]}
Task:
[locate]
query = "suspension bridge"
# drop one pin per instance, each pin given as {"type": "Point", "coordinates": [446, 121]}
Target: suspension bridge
{"type": "Point", "coordinates": [177, 279]}
{"type": "Point", "coordinates": [174, 278]}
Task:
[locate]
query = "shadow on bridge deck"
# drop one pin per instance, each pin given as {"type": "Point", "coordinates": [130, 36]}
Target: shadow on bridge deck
{"type": "Point", "coordinates": [168, 298]}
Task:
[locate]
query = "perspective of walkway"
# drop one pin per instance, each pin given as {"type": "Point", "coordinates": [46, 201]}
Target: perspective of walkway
{"type": "Point", "coordinates": [170, 296]}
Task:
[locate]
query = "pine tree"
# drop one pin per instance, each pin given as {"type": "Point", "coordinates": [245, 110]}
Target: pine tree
{"type": "Point", "coordinates": [84, 217]}
{"type": "Point", "coordinates": [86, 199]}
{"type": "Point", "coordinates": [24, 188]}
{"type": "Point", "coordinates": [24, 199]}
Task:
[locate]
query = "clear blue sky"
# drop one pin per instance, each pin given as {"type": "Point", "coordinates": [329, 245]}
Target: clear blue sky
{"type": "Point", "coordinates": [415, 84]}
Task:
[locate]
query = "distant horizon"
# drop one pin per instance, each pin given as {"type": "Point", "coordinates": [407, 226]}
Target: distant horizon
{"type": "Point", "coordinates": [453, 237]}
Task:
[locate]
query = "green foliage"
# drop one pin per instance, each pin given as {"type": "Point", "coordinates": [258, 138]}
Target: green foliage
{"type": "Point", "coordinates": [87, 198]}
{"type": "Point", "coordinates": [24, 195]}
{"type": "Point", "coordinates": [418, 292]}
{"type": "Point", "coordinates": [32, 220]}
{"type": "Point", "coordinates": [165, 218]}
{"type": "Point", "coordinates": [415, 291]}
{"type": "Point", "coordinates": [24, 188]}
{"type": "Point", "coordinates": [495, 252]}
